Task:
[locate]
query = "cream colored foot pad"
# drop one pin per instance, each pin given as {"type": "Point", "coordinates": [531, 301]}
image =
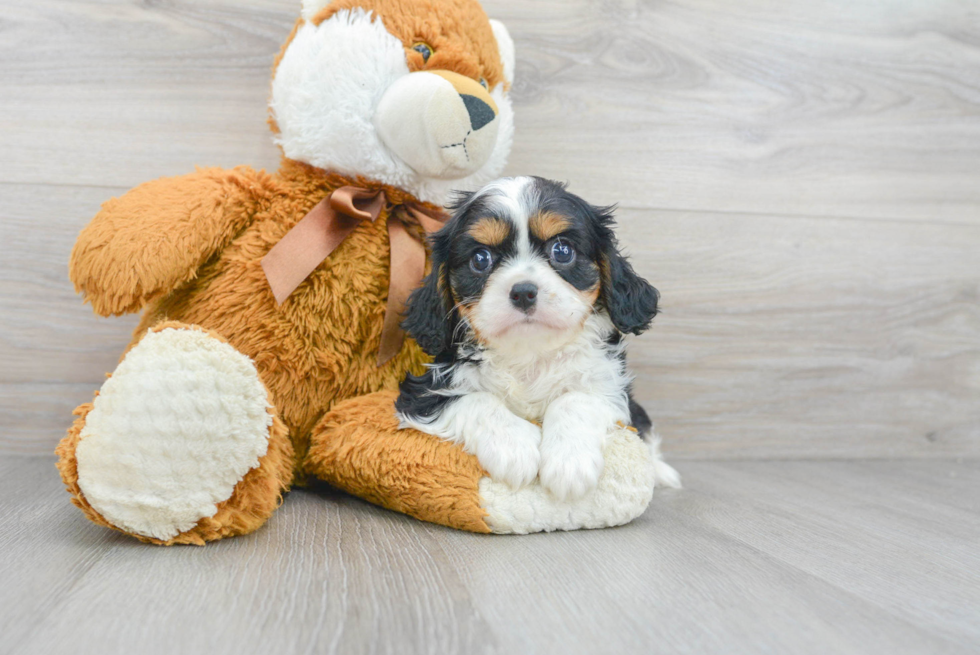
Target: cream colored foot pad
{"type": "Point", "coordinates": [171, 433]}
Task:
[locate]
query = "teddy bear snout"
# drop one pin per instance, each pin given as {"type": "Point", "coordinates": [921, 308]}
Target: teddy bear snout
{"type": "Point", "coordinates": [479, 111]}
{"type": "Point", "coordinates": [442, 124]}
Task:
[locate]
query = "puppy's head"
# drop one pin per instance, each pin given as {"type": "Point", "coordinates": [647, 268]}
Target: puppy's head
{"type": "Point", "coordinates": [522, 264]}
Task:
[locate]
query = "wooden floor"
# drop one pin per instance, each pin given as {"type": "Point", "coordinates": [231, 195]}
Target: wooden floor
{"type": "Point", "coordinates": [800, 179]}
{"type": "Point", "coordinates": [753, 557]}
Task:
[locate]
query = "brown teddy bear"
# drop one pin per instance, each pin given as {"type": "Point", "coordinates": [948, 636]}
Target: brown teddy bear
{"type": "Point", "coordinates": [271, 299]}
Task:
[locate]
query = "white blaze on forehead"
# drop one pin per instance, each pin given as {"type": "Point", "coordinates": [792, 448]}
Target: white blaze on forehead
{"type": "Point", "coordinates": [516, 199]}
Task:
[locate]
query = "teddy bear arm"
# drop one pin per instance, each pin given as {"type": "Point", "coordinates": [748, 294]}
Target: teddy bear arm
{"type": "Point", "coordinates": [155, 237]}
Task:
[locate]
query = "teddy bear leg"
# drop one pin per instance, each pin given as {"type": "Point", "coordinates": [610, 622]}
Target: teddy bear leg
{"type": "Point", "coordinates": [358, 446]}
{"type": "Point", "coordinates": [180, 445]}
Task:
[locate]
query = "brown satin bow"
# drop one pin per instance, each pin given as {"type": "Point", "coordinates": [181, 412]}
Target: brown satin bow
{"type": "Point", "coordinates": [326, 226]}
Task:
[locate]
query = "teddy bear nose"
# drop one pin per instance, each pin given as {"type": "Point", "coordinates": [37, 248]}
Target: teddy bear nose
{"type": "Point", "coordinates": [479, 111]}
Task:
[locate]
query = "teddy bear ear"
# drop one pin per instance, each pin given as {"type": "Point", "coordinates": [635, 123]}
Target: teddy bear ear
{"type": "Point", "coordinates": [311, 7]}
{"type": "Point", "coordinates": [506, 46]}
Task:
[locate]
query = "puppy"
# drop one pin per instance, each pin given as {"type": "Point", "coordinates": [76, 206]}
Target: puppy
{"type": "Point", "coordinates": [524, 313]}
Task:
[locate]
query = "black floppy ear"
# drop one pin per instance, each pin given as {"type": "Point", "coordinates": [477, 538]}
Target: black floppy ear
{"type": "Point", "coordinates": [630, 300]}
{"type": "Point", "coordinates": [426, 318]}
{"type": "Point", "coordinates": [431, 317]}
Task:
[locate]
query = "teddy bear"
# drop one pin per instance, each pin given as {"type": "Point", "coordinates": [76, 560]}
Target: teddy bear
{"type": "Point", "coordinates": [270, 346]}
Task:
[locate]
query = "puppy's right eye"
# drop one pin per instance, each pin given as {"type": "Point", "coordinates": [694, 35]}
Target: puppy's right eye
{"type": "Point", "coordinates": [481, 261]}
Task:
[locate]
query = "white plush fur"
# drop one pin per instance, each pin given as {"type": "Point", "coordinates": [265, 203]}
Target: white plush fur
{"type": "Point", "coordinates": [177, 426]}
{"type": "Point", "coordinates": [311, 7]}
{"type": "Point", "coordinates": [623, 493]}
{"type": "Point", "coordinates": [505, 45]}
{"type": "Point", "coordinates": [422, 119]}
{"type": "Point", "coordinates": [325, 93]}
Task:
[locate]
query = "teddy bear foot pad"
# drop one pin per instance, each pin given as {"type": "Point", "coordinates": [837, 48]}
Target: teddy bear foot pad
{"type": "Point", "coordinates": [171, 435]}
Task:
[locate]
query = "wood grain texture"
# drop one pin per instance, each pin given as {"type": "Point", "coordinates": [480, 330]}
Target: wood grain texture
{"type": "Point", "coordinates": [829, 338]}
{"type": "Point", "coordinates": [808, 107]}
{"type": "Point", "coordinates": [799, 181]}
{"type": "Point", "coordinates": [814, 108]}
{"type": "Point", "coordinates": [782, 557]}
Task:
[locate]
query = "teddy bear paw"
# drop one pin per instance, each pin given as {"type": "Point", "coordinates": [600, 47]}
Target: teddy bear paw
{"type": "Point", "coordinates": [172, 432]}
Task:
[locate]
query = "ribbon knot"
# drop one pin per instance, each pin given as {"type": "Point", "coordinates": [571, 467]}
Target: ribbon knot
{"type": "Point", "coordinates": [326, 226]}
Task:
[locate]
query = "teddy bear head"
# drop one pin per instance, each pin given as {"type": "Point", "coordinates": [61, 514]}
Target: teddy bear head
{"type": "Point", "coordinates": [411, 93]}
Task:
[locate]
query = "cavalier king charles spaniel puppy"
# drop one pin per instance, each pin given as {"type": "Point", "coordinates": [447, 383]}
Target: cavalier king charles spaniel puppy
{"type": "Point", "coordinates": [524, 313]}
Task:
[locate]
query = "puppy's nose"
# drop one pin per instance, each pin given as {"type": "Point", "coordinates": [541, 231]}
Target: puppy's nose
{"type": "Point", "coordinates": [523, 295]}
{"type": "Point", "coordinates": [480, 112]}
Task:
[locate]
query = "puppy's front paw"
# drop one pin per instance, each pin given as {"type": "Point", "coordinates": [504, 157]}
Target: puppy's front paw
{"type": "Point", "coordinates": [570, 470]}
{"type": "Point", "coordinates": [510, 452]}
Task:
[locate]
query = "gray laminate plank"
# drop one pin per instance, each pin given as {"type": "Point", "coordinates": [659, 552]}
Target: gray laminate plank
{"type": "Point", "coordinates": [670, 584]}
{"type": "Point", "coordinates": [805, 337]}
{"type": "Point", "coordinates": [791, 107]}
{"type": "Point", "coordinates": [861, 528]}
{"type": "Point", "coordinates": [46, 546]}
{"type": "Point", "coordinates": [319, 578]}
{"type": "Point", "coordinates": [784, 334]}
{"type": "Point", "coordinates": [694, 104]}
{"type": "Point", "coordinates": [35, 416]}
{"type": "Point", "coordinates": [47, 334]}
{"type": "Point", "coordinates": [779, 337]}
{"type": "Point", "coordinates": [780, 557]}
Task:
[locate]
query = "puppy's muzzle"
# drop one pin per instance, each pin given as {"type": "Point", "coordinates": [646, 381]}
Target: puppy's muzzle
{"type": "Point", "coordinates": [524, 295]}
{"type": "Point", "coordinates": [440, 123]}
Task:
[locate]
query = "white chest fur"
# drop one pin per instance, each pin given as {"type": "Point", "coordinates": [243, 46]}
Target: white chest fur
{"type": "Point", "coordinates": [529, 378]}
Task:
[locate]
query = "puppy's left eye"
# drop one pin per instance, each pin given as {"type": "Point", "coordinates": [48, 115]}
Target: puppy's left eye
{"type": "Point", "coordinates": [481, 261]}
{"type": "Point", "coordinates": [562, 254]}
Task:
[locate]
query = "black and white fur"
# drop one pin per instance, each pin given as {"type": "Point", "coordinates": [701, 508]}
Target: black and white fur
{"type": "Point", "coordinates": [505, 361]}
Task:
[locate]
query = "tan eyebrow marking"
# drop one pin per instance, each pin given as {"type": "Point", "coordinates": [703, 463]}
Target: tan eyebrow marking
{"type": "Point", "coordinates": [490, 231]}
{"type": "Point", "coordinates": [548, 224]}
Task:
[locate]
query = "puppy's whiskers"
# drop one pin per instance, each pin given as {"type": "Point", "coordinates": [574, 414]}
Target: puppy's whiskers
{"type": "Point", "coordinates": [464, 322]}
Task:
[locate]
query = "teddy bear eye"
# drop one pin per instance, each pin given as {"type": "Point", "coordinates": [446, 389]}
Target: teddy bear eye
{"type": "Point", "coordinates": [423, 49]}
